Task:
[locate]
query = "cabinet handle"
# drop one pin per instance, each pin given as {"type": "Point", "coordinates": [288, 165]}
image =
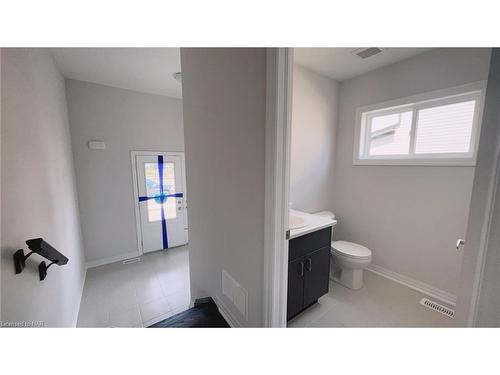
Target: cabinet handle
{"type": "Point", "coordinates": [301, 273]}
{"type": "Point", "coordinates": [309, 264]}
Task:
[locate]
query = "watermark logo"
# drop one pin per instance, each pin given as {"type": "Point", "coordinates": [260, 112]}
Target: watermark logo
{"type": "Point", "coordinates": [23, 324]}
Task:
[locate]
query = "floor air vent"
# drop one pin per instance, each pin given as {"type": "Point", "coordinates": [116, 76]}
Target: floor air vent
{"type": "Point", "coordinates": [133, 260]}
{"type": "Point", "coordinates": [437, 307]}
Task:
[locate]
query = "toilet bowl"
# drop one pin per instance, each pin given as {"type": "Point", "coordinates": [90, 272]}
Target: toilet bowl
{"type": "Point", "coordinates": [348, 260]}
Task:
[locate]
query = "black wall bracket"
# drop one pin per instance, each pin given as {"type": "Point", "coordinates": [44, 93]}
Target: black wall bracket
{"type": "Point", "coordinates": [20, 260]}
{"type": "Point", "coordinates": [42, 269]}
{"type": "Point", "coordinates": [42, 248]}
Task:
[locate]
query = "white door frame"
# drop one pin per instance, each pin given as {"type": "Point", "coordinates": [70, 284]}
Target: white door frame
{"type": "Point", "coordinates": [479, 227]}
{"type": "Point", "coordinates": [277, 186]}
{"type": "Point", "coordinates": [487, 232]}
{"type": "Point", "coordinates": [133, 154]}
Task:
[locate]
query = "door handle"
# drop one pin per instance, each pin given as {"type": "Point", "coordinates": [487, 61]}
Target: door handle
{"type": "Point", "coordinates": [309, 264]}
{"type": "Point", "coordinates": [301, 273]}
{"type": "Point", "coordinates": [460, 242]}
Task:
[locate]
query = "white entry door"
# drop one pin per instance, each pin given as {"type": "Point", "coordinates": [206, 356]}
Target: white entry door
{"type": "Point", "coordinates": [161, 200]}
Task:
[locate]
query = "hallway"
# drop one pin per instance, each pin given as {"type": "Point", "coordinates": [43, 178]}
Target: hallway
{"type": "Point", "coordinates": [137, 294]}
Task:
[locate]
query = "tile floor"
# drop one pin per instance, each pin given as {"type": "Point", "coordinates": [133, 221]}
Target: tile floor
{"type": "Point", "coordinates": [143, 293]}
{"type": "Point", "coordinates": [380, 303]}
{"type": "Point", "coordinates": [137, 294]}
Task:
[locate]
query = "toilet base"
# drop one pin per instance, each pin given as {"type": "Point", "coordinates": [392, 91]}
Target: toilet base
{"type": "Point", "coordinates": [352, 279]}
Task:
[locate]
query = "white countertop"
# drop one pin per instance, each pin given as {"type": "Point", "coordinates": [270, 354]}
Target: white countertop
{"type": "Point", "coordinates": [314, 223]}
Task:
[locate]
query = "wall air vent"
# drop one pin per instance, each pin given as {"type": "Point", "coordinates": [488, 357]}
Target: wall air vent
{"type": "Point", "coordinates": [364, 53]}
{"type": "Point", "coordinates": [235, 293]}
{"type": "Point", "coordinates": [437, 307]}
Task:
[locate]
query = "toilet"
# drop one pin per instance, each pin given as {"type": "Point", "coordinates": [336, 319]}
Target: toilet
{"type": "Point", "coordinates": [349, 259]}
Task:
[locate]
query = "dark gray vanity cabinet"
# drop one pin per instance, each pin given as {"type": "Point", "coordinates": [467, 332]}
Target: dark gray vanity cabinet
{"type": "Point", "coordinates": [308, 270]}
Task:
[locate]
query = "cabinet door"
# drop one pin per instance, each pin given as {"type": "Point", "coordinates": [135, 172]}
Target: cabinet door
{"type": "Point", "coordinates": [316, 275]}
{"type": "Point", "coordinates": [295, 299]}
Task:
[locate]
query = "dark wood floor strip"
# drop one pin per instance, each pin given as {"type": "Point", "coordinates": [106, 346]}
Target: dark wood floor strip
{"type": "Point", "coordinates": [205, 314]}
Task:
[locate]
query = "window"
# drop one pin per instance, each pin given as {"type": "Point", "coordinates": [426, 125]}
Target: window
{"type": "Point", "coordinates": [151, 173]}
{"type": "Point", "coordinates": [438, 128]}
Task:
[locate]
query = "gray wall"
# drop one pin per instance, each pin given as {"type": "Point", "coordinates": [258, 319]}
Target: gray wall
{"type": "Point", "coordinates": [409, 216]}
{"type": "Point", "coordinates": [38, 190]}
{"type": "Point", "coordinates": [224, 97]}
{"type": "Point", "coordinates": [126, 121]}
{"type": "Point", "coordinates": [314, 122]}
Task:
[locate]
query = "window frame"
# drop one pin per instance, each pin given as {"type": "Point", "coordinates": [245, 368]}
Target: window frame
{"type": "Point", "coordinates": [473, 91]}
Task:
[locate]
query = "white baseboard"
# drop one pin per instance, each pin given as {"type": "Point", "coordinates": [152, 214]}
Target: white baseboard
{"type": "Point", "coordinates": [417, 285]}
{"type": "Point", "coordinates": [117, 258]}
{"type": "Point", "coordinates": [225, 312]}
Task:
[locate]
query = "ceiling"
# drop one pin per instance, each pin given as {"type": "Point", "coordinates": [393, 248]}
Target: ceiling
{"type": "Point", "coordinates": [146, 70]}
{"type": "Point", "coordinates": [341, 64]}
{"type": "Point", "coordinates": [150, 70]}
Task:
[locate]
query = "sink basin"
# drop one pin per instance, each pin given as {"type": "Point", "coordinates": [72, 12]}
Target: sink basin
{"type": "Point", "coordinates": [296, 222]}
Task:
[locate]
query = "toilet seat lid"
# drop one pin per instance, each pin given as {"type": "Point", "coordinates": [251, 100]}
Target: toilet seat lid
{"type": "Point", "coordinates": [351, 249]}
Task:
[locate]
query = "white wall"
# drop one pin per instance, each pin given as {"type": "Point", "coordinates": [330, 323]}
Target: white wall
{"type": "Point", "coordinates": [126, 120]}
{"type": "Point", "coordinates": [409, 216]}
{"type": "Point", "coordinates": [224, 97]}
{"type": "Point", "coordinates": [314, 122]}
{"type": "Point", "coordinates": [38, 190]}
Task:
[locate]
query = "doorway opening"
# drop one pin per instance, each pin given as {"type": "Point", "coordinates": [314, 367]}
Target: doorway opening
{"type": "Point", "coordinates": [383, 236]}
{"type": "Point", "coordinates": [127, 133]}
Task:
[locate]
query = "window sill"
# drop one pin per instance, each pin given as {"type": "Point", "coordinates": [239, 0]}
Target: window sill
{"type": "Point", "coordinates": [416, 162]}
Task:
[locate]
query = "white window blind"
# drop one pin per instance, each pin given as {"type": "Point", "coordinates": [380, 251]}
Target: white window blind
{"type": "Point", "coordinates": [445, 129]}
{"type": "Point", "coordinates": [440, 126]}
